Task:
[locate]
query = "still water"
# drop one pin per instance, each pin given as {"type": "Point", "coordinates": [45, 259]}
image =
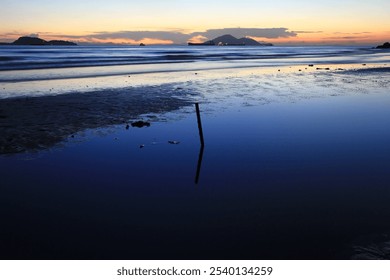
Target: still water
{"type": "Point", "coordinates": [300, 180]}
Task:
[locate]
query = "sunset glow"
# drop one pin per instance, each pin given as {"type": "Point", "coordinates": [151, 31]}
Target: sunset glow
{"type": "Point", "coordinates": [309, 22]}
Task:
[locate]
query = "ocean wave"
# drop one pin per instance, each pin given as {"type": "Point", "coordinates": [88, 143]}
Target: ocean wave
{"type": "Point", "coordinates": [22, 58]}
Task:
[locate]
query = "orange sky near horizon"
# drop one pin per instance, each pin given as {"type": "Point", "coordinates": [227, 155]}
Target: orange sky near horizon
{"type": "Point", "coordinates": [301, 38]}
{"type": "Point", "coordinates": [328, 22]}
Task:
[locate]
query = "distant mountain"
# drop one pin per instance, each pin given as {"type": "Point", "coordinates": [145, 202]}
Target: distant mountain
{"type": "Point", "coordinates": [251, 42]}
{"type": "Point", "coordinates": [229, 40]}
{"type": "Point", "coordinates": [30, 41]}
{"type": "Point", "coordinates": [61, 43]}
{"type": "Point", "coordinates": [33, 41]}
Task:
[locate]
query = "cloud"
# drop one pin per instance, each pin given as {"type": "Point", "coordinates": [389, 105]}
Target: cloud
{"type": "Point", "coordinates": [133, 37]}
{"type": "Point", "coordinates": [346, 38]}
{"type": "Point", "coordinates": [175, 36]}
{"type": "Point", "coordinates": [198, 39]}
{"type": "Point", "coordinates": [354, 33]}
{"type": "Point", "coordinates": [139, 35]}
{"type": "Point", "coordinates": [179, 37]}
{"type": "Point", "coordinates": [308, 32]}
{"type": "Point", "coordinates": [362, 36]}
{"type": "Point", "coordinates": [268, 33]}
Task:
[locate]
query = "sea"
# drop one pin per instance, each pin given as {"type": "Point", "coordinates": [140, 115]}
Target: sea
{"type": "Point", "coordinates": [295, 162]}
{"type": "Point", "coordinates": [83, 60]}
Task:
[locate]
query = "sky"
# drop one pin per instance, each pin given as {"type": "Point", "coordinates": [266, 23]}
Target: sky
{"type": "Point", "coordinates": [173, 21]}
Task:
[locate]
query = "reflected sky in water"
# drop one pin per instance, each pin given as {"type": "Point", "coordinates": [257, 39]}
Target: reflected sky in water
{"type": "Point", "coordinates": [288, 180]}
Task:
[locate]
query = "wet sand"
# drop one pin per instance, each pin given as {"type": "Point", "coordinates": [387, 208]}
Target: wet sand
{"type": "Point", "coordinates": [36, 123]}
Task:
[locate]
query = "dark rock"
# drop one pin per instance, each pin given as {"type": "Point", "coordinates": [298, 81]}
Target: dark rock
{"type": "Point", "coordinates": [127, 126]}
{"type": "Point", "coordinates": [384, 46]}
{"type": "Point", "coordinates": [140, 124]}
{"type": "Point", "coordinates": [174, 142]}
{"type": "Point", "coordinates": [142, 45]}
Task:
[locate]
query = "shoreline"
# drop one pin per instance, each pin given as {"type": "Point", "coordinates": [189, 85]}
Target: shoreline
{"type": "Point", "coordinates": [33, 123]}
{"type": "Point", "coordinates": [95, 82]}
{"type": "Point", "coordinates": [33, 75]}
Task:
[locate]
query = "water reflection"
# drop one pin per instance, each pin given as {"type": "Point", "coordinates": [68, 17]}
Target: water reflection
{"type": "Point", "coordinates": [201, 138]}
{"type": "Point", "coordinates": [373, 247]}
{"type": "Point", "coordinates": [282, 181]}
{"type": "Point", "coordinates": [199, 166]}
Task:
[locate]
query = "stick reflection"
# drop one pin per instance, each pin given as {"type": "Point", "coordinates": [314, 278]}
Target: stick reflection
{"type": "Point", "coordinates": [200, 158]}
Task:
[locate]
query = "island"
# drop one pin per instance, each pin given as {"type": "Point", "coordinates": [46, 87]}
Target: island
{"type": "Point", "coordinates": [229, 40]}
{"type": "Point", "coordinates": [384, 46]}
{"type": "Point", "coordinates": [35, 41]}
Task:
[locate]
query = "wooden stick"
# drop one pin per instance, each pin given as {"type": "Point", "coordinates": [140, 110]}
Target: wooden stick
{"type": "Point", "coordinates": [199, 124]}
